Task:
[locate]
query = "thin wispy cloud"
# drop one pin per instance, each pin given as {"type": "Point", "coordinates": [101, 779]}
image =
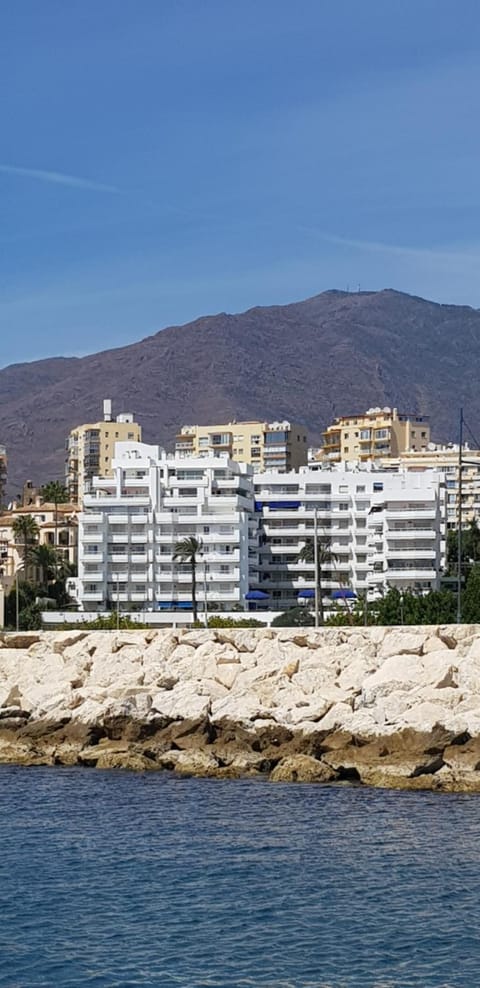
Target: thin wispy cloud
{"type": "Point", "coordinates": [401, 250]}
{"type": "Point", "coordinates": [59, 178]}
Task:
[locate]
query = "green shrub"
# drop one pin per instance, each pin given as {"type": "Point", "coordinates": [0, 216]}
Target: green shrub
{"type": "Point", "coordinates": [296, 617]}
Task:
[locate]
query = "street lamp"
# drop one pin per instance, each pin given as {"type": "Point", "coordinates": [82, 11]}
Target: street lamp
{"type": "Point", "coordinates": [205, 603]}
{"type": "Point", "coordinates": [315, 563]}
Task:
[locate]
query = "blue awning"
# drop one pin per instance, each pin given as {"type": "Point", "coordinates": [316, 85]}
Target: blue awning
{"type": "Point", "coordinates": [345, 593]}
{"type": "Point", "coordinates": [257, 595]}
{"type": "Point", "coordinates": [287, 505]}
{"type": "Point", "coordinates": [306, 593]}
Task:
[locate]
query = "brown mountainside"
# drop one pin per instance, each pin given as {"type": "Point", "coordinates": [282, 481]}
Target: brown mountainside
{"type": "Point", "coordinates": [335, 353]}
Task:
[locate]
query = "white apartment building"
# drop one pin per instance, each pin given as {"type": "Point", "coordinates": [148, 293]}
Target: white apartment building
{"type": "Point", "coordinates": [384, 529]}
{"type": "Point", "coordinates": [132, 521]}
{"type": "Point", "coordinates": [447, 460]}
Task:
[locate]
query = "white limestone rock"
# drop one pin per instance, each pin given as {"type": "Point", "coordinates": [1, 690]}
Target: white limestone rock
{"type": "Point", "coordinates": [181, 703]}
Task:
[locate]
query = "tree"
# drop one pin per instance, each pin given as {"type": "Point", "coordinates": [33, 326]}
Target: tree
{"type": "Point", "coordinates": [54, 492]}
{"type": "Point", "coordinates": [471, 597]}
{"type": "Point", "coordinates": [470, 549]}
{"type": "Point", "coordinates": [325, 556]}
{"type": "Point", "coordinates": [296, 617]}
{"type": "Point", "coordinates": [28, 611]}
{"type": "Point", "coordinates": [26, 531]}
{"type": "Point", "coordinates": [187, 551]}
{"type": "Point", "coordinates": [47, 561]}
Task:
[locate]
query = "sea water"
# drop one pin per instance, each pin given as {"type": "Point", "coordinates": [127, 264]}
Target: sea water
{"type": "Point", "coordinates": [120, 879]}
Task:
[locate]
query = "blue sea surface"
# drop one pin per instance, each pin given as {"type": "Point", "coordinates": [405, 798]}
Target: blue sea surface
{"type": "Point", "coordinates": [116, 879]}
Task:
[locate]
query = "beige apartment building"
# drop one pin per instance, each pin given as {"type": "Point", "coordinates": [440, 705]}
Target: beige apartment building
{"type": "Point", "coordinates": [91, 447]}
{"type": "Point", "coordinates": [380, 432]}
{"type": "Point", "coordinates": [57, 528]}
{"type": "Point", "coordinates": [266, 445]}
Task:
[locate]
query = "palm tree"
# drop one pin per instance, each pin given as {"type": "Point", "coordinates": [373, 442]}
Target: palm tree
{"type": "Point", "coordinates": [54, 492]}
{"type": "Point", "coordinates": [324, 556]}
{"type": "Point", "coordinates": [187, 551]}
{"type": "Point", "coordinates": [25, 531]}
{"type": "Point", "coordinates": [45, 558]}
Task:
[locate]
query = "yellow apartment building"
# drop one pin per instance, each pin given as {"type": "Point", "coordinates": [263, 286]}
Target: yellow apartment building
{"type": "Point", "coordinates": [91, 447]}
{"type": "Point", "coordinates": [266, 445]}
{"type": "Point", "coordinates": [378, 433]}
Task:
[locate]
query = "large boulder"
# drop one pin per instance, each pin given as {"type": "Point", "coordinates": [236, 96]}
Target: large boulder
{"type": "Point", "coordinates": [302, 768]}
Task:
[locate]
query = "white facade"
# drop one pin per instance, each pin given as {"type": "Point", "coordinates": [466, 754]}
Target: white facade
{"type": "Point", "coordinates": [385, 530]}
{"type": "Point", "coordinates": [133, 520]}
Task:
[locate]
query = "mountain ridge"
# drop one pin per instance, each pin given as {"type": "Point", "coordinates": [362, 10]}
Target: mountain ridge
{"type": "Point", "coordinates": [334, 353]}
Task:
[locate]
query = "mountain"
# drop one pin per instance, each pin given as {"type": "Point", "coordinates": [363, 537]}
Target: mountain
{"type": "Point", "coordinates": [335, 353]}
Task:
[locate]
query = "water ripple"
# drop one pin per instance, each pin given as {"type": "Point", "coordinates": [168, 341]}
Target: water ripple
{"type": "Point", "coordinates": [112, 879]}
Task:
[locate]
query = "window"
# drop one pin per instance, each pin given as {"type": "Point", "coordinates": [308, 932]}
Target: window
{"type": "Point", "coordinates": [206, 529]}
{"type": "Point", "coordinates": [276, 437]}
{"type": "Point", "coordinates": [377, 486]}
{"type": "Point", "coordinates": [220, 439]}
{"type": "Point", "coordinates": [345, 449]}
{"type": "Point", "coordinates": [365, 434]}
{"type": "Point", "coordinates": [360, 488]}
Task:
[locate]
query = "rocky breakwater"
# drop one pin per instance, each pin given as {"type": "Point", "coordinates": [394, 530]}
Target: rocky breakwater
{"type": "Point", "coordinates": [395, 707]}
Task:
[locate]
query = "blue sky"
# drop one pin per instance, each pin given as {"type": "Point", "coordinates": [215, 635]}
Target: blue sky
{"type": "Point", "coordinates": [165, 159]}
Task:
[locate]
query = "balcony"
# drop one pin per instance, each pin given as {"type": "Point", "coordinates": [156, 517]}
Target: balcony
{"type": "Point", "coordinates": [90, 597]}
{"type": "Point", "coordinates": [410, 533]}
{"type": "Point", "coordinates": [216, 576]}
{"type": "Point", "coordinates": [418, 513]}
{"type": "Point", "coordinates": [410, 574]}
{"type": "Point", "coordinates": [91, 557]}
{"type": "Point", "coordinates": [92, 538]}
{"type": "Point", "coordinates": [118, 557]}
{"type": "Point", "coordinates": [411, 552]}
